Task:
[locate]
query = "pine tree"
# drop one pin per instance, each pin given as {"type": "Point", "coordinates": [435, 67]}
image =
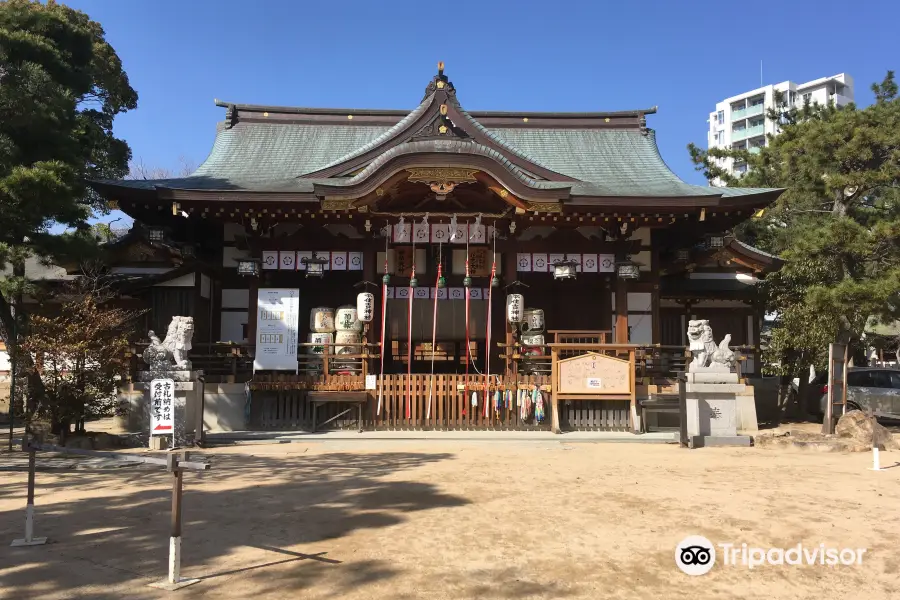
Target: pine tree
{"type": "Point", "coordinates": [837, 225]}
{"type": "Point", "coordinates": [61, 86]}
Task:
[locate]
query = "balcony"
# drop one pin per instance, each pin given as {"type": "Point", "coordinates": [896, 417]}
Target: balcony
{"type": "Point", "coordinates": [747, 132]}
{"type": "Point", "coordinates": [750, 111]}
{"type": "Point", "coordinates": [754, 150]}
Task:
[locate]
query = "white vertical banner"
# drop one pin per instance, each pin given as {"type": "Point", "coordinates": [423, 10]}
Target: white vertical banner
{"type": "Point", "coordinates": [390, 292]}
{"type": "Point", "coordinates": [440, 233]}
{"type": "Point", "coordinates": [460, 233]}
{"type": "Point", "coordinates": [421, 233]}
{"type": "Point", "coordinates": [606, 263]}
{"type": "Point", "coordinates": [327, 256]}
{"type": "Point", "coordinates": [355, 261]}
{"type": "Point", "coordinates": [420, 292]}
{"type": "Point", "coordinates": [523, 263]}
{"type": "Point", "coordinates": [277, 317]}
{"type": "Point", "coordinates": [270, 259]}
{"type": "Point", "coordinates": [589, 263]}
{"type": "Point", "coordinates": [539, 263]}
{"type": "Point", "coordinates": [301, 266]}
{"type": "Point", "coordinates": [477, 234]}
{"type": "Point", "coordinates": [552, 259]}
{"type": "Point", "coordinates": [338, 261]}
{"type": "Point", "coordinates": [403, 233]}
{"type": "Point", "coordinates": [475, 293]}
{"type": "Point", "coordinates": [457, 293]}
{"type": "Point", "coordinates": [287, 260]}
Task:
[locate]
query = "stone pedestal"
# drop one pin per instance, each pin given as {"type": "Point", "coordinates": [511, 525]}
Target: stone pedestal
{"type": "Point", "coordinates": [712, 409]}
{"type": "Point", "coordinates": [187, 406]}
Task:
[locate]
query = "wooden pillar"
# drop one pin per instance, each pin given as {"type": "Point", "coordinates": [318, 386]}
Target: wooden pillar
{"type": "Point", "coordinates": [252, 301]}
{"type": "Point", "coordinates": [554, 391]}
{"type": "Point", "coordinates": [510, 271]}
{"type": "Point", "coordinates": [621, 310]}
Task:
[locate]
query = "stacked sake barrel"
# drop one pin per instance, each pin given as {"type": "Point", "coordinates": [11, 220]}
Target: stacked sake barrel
{"type": "Point", "coordinates": [532, 328]}
{"type": "Point", "coordinates": [349, 331]}
{"type": "Point", "coordinates": [321, 333]}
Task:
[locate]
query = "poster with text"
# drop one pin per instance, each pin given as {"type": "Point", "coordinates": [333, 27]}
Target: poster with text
{"type": "Point", "coordinates": [277, 316]}
{"type": "Point", "coordinates": [162, 407]}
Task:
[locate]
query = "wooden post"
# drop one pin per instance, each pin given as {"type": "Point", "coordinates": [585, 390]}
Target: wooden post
{"type": "Point", "coordinates": [554, 390]}
{"type": "Point", "coordinates": [252, 309]}
{"type": "Point", "coordinates": [29, 539]}
{"type": "Point", "coordinates": [174, 580]}
{"type": "Point", "coordinates": [621, 311]}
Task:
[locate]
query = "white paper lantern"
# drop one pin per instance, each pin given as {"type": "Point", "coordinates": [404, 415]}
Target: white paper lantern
{"type": "Point", "coordinates": [347, 320]}
{"type": "Point", "coordinates": [321, 320]}
{"type": "Point", "coordinates": [365, 307]}
{"type": "Point", "coordinates": [515, 308]}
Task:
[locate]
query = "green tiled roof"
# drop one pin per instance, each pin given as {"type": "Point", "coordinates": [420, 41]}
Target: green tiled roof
{"type": "Point", "coordinates": [274, 156]}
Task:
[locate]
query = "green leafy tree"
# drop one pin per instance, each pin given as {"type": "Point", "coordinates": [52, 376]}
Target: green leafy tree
{"type": "Point", "coordinates": [61, 86]}
{"type": "Point", "coordinates": [837, 225]}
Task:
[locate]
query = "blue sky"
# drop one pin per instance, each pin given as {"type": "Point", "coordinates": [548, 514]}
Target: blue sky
{"type": "Point", "coordinates": [558, 56]}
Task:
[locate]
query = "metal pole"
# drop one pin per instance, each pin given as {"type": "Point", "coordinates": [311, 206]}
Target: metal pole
{"type": "Point", "coordinates": [29, 539]}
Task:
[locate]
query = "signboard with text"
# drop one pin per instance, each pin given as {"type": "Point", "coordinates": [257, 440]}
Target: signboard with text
{"type": "Point", "coordinates": [277, 317]}
{"type": "Point", "coordinates": [162, 407]}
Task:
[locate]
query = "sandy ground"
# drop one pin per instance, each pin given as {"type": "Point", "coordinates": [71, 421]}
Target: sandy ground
{"type": "Point", "coordinates": [437, 519]}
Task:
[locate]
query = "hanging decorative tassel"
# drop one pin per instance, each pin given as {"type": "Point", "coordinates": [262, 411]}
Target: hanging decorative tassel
{"type": "Point", "coordinates": [539, 407]}
{"type": "Point", "coordinates": [409, 340]}
{"type": "Point", "coordinates": [474, 398]}
{"type": "Point", "coordinates": [467, 283]}
{"type": "Point", "coordinates": [385, 279]}
{"type": "Point", "coordinates": [487, 336]}
{"type": "Point", "coordinates": [437, 285]}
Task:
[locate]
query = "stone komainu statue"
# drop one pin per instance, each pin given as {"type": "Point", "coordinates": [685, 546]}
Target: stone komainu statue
{"type": "Point", "coordinates": [707, 355]}
{"type": "Point", "coordinates": [174, 348]}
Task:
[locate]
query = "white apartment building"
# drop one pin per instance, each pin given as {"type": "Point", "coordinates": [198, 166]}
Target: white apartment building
{"type": "Point", "coordinates": [740, 121]}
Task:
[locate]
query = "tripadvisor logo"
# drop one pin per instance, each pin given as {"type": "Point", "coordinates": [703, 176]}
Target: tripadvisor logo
{"type": "Point", "coordinates": [696, 555]}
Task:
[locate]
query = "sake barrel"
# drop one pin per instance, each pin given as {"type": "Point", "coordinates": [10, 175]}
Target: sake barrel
{"type": "Point", "coordinates": [319, 338]}
{"type": "Point", "coordinates": [321, 320]}
{"type": "Point", "coordinates": [534, 320]}
{"type": "Point", "coordinates": [534, 339]}
{"type": "Point", "coordinates": [346, 319]}
{"type": "Point", "coordinates": [365, 307]}
{"type": "Point", "coordinates": [515, 308]}
{"type": "Point", "coordinates": [347, 337]}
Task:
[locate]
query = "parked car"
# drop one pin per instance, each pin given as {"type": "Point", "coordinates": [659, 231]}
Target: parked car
{"type": "Point", "coordinates": [868, 388]}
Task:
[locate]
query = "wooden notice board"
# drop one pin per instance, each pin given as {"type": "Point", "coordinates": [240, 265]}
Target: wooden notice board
{"type": "Point", "coordinates": [595, 376]}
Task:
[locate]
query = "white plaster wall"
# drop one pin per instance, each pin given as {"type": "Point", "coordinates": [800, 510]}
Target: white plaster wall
{"type": "Point", "coordinates": [235, 298]}
{"type": "Point", "coordinates": [231, 330]}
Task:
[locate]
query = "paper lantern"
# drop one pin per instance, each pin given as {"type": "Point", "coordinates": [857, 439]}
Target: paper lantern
{"type": "Point", "coordinates": [515, 308]}
{"type": "Point", "coordinates": [365, 307]}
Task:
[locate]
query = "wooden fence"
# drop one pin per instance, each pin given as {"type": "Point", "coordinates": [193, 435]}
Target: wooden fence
{"type": "Point", "coordinates": [279, 402]}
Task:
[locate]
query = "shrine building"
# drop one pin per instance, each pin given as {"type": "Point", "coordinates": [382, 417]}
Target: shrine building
{"type": "Point", "coordinates": [496, 246]}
